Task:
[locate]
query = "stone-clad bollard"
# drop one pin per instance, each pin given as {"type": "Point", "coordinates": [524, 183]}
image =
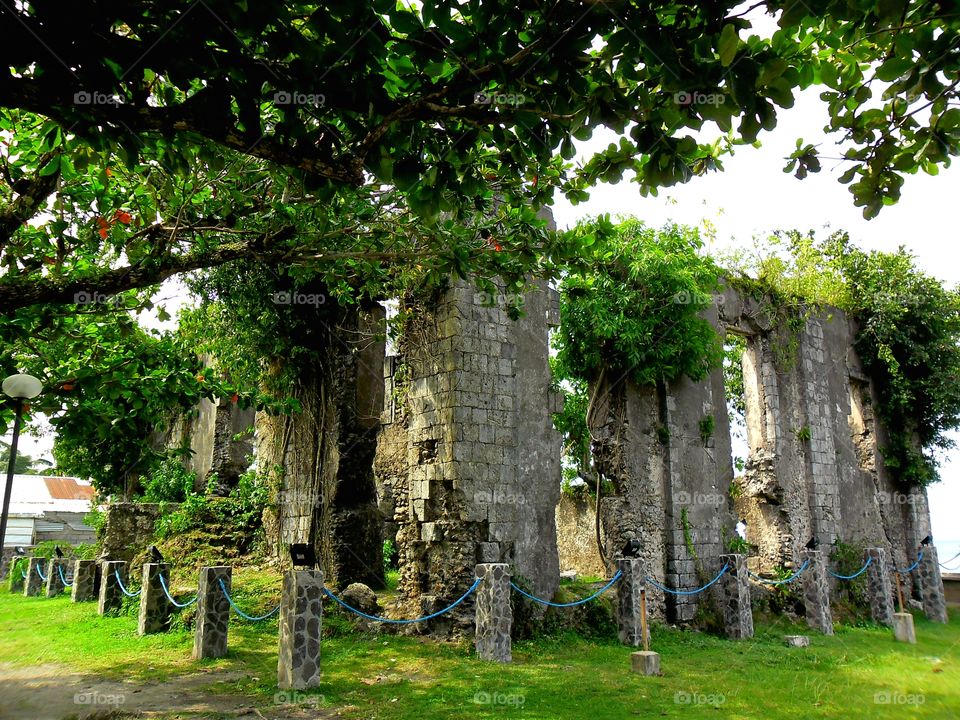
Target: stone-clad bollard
{"type": "Point", "coordinates": [879, 587]}
{"type": "Point", "coordinates": [111, 596]}
{"type": "Point", "coordinates": [816, 592]}
{"type": "Point", "coordinates": [301, 611]}
{"type": "Point", "coordinates": [18, 568]}
{"type": "Point", "coordinates": [34, 583]}
{"type": "Point", "coordinates": [84, 581]}
{"type": "Point", "coordinates": [735, 598]}
{"type": "Point", "coordinates": [55, 584]}
{"type": "Point", "coordinates": [213, 613]}
{"type": "Point", "coordinates": [494, 618]}
{"type": "Point", "coordinates": [931, 585]}
{"type": "Point", "coordinates": [629, 607]}
{"type": "Point", "coordinates": [154, 607]}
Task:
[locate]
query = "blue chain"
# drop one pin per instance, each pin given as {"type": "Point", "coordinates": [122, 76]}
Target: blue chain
{"type": "Point", "coordinates": [163, 584]}
{"type": "Point", "coordinates": [241, 613]}
{"type": "Point", "coordinates": [62, 578]}
{"type": "Point", "coordinates": [689, 592]}
{"type": "Point", "coordinates": [116, 574]}
{"type": "Point", "coordinates": [403, 622]}
{"type": "Point", "coordinates": [597, 594]}
{"type": "Point", "coordinates": [40, 572]}
{"type": "Point", "coordinates": [912, 567]}
{"type": "Point", "coordinates": [857, 574]}
{"type": "Point", "coordinates": [781, 582]}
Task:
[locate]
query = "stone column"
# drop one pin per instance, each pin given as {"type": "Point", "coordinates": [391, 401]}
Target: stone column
{"type": "Point", "coordinates": [301, 611]}
{"type": "Point", "coordinates": [84, 581]}
{"type": "Point", "coordinates": [55, 584]}
{"type": "Point", "coordinates": [34, 585]}
{"type": "Point", "coordinates": [18, 568]}
{"type": "Point", "coordinates": [494, 618]}
{"type": "Point", "coordinates": [816, 592]}
{"type": "Point", "coordinates": [931, 585]}
{"type": "Point", "coordinates": [213, 613]}
{"type": "Point", "coordinates": [154, 607]}
{"type": "Point", "coordinates": [879, 587]}
{"type": "Point", "coordinates": [111, 597]}
{"type": "Point", "coordinates": [628, 602]}
{"type": "Point", "coordinates": [735, 598]}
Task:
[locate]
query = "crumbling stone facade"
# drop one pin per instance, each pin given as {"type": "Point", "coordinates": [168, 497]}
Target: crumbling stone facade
{"type": "Point", "coordinates": [482, 474]}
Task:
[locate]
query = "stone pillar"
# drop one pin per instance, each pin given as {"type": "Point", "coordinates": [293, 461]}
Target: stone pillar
{"type": "Point", "coordinates": [735, 598]}
{"type": "Point", "coordinates": [931, 585]}
{"type": "Point", "coordinates": [879, 588]}
{"type": "Point", "coordinates": [494, 618]}
{"type": "Point", "coordinates": [33, 585]}
{"type": "Point", "coordinates": [154, 607]}
{"type": "Point", "coordinates": [213, 613]}
{"type": "Point", "coordinates": [628, 602]}
{"type": "Point", "coordinates": [111, 597]}
{"type": "Point", "coordinates": [55, 584]}
{"type": "Point", "coordinates": [84, 581]}
{"type": "Point", "coordinates": [816, 592]}
{"type": "Point", "coordinates": [18, 568]}
{"type": "Point", "coordinates": [301, 611]}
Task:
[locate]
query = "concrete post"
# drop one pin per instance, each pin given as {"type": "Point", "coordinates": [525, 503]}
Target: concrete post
{"type": "Point", "coordinates": [879, 587]}
{"type": "Point", "coordinates": [494, 618]}
{"type": "Point", "coordinates": [84, 581]}
{"type": "Point", "coordinates": [18, 568]}
{"type": "Point", "coordinates": [55, 584]}
{"type": "Point", "coordinates": [629, 610]}
{"type": "Point", "coordinates": [931, 585]}
{"type": "Point", "coordinates": [735, 598]}
{"type": "Point", "coordinates": [155, 609]}
{"type": "Point", "coordinates": [301, 612]}
{"type": "Point", "coordinates": [816, 592]}
{"type": "Point", "coordinates": [213, 613]}
{"type": "Point", "coordinates": [111, 597]}
{"type": "Point", "coordinates": [33, 585]}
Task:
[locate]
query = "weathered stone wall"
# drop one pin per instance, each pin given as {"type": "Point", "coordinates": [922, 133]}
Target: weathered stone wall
{"type": "Point", "coordinates": [482, 457]}
{"type": "Point", "coordinates": [128, 529]}
{"type": "Point", "coordinates": [577, 536]}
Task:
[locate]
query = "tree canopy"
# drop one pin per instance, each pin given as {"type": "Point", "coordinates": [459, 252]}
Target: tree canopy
{"type": "Point", "coordinates": [179, 135]}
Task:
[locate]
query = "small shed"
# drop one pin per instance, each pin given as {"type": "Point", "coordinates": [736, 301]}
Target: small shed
{"type": "Point", "coordinates": [48, 508]}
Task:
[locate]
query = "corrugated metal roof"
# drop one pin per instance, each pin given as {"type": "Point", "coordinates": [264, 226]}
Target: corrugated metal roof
{"type": "Point", "coordinates": [68, 488]}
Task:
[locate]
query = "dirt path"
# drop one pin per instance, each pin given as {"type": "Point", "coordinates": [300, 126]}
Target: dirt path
{"type": "Point", "coordinates": [51, 692]}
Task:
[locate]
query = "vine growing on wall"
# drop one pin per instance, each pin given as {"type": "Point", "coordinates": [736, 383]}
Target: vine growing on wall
{"type": "Point", "coordinates": [908, 334]}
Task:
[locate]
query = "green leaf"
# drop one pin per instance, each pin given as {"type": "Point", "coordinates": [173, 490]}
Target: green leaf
{"type": "Point", "coordinates": [727, 45]}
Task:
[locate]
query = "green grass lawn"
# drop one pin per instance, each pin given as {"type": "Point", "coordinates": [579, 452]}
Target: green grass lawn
{"type": "Point", "coordinates": [849, 675]}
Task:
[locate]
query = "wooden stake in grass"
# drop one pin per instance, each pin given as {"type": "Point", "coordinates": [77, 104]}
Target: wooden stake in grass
{"type": "Point", "coordinates": [899, 591]}
{"type": "Point", "coordinates": [643, 618]}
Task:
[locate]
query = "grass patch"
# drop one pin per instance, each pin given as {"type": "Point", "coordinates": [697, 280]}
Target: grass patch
{"type": "Point", "coordinates": [410, 678]}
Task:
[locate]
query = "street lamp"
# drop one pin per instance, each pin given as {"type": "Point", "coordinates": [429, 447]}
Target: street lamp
{"type": "Point", "coordinates": [20, 388]}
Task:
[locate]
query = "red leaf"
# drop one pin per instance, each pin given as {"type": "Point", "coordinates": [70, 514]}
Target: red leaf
{"type": "Point", "coordinates": [103, 233]}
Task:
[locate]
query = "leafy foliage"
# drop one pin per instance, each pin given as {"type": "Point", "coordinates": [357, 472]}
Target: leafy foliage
{"type": "Point", "coordinates": [241, 511]}
{"type": "Point", "coordinates": [633, 309]}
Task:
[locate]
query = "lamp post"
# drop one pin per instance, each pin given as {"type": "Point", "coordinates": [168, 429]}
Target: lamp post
{"type": "Point", "coordinates": [20, 388]}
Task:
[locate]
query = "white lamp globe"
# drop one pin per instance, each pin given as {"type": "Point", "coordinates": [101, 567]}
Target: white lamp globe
{"type": "Point", "coordinates": [22, 387]}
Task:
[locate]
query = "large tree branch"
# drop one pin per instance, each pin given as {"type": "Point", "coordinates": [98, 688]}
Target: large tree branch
{"type": "Point", "coordinates": [30, 197]}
